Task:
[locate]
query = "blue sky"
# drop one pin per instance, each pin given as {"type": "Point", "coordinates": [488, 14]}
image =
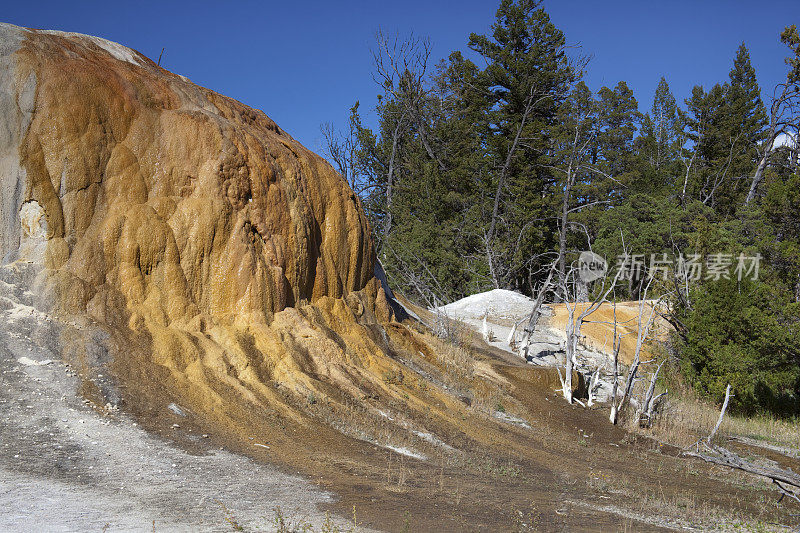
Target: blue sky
{"type": "Point", "coordinates": [306, 62]}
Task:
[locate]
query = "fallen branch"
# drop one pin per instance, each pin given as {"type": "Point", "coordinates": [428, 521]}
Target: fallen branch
{"type": "Point", "coordinates": [787, 481]}
{"type": "Point", "coordinates": [724, 457]}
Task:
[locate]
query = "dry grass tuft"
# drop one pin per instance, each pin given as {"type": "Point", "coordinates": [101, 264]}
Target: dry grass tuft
{"type": "Point", "coordinates": [686, 417]}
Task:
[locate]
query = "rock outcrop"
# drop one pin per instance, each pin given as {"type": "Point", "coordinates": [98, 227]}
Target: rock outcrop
{"type": "Point", "coordinates": [192, 245]}
{"type": "Point", "coordinates": [182, 200]}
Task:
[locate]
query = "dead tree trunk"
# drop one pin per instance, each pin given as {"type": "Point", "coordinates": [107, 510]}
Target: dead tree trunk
{"type": "Point", "coordinates": [786, 481]}
{"type": "Point", "coordinates": [390, 179]}
{"type": "Point", "coordinates": [536, 311]}
{"type": "Point", "coordinates": [573, 328]}
{"type": "Point", "coordinates": [651, 400]}
{"type": "Point", "coordinates": [562, 230]}
{"type": "Point", "coordinates": [758, 176]}
{"type": "Point", "coordinates": [782, 119]}
{"type": "Point", "coordinates": [594, 384]}
{"type": "Point", "coordinates": [617, 343]}
{"type": "Point", "coordinates": [569, 354]}
{"type": "Point", "coordinates": [642, 332]}
{"type": "Point", "coordinates": [501, 183]}
{"type": "Point", "coordinates": [721, 413]}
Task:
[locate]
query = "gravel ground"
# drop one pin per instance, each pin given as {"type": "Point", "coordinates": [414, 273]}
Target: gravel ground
{"type": "Point", "coordinates": [64, 466]}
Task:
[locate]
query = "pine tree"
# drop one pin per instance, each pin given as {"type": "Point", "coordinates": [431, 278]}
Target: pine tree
{"type": "Point", "coordinates": [747, 121]}
{"type": "Point", "coordinates": [726, 125]}
{"type": "Point", "coordinates": [527, 76]}
{"type": "Point", "coordinates": [707, 123]}
{"type": "Point", "coordinates": [661, 126]}
{"type": "Point", "coordinates": [618, 116]}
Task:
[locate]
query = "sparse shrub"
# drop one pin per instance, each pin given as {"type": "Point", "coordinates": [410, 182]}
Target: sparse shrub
{"type": "Point", "coordinates": [393, 377]}
{"type": "Point", "coordinates": [452, 331]}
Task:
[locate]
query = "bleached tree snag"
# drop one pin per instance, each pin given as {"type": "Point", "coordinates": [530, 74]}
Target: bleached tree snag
{"type": "Point", "coordinates": [390, 178]}
{"type": "Point", "coordinates": [401, 67]}
{"type": "Point", "coordinates": [782, 120]}
{"type": "Point", "coordinates": [533, 319]}
{"type": "Point", "coordinates": [594, 384]}
{"type": "Point", "coordinates": [485, 329]}
{"type": "Point", "coordinates": [511, 335]}
{"type": "Point", "coordinates": [651, 400]}
{"type": "Point", "coordinates": [617, 342]}
{"type": "Point", "coordinates": [721, 413]}
{"type": "Point", "coordinates": [783, 116]}
{"type": "Point", "coordinates": [642, 332]}
{"type": "Point", "coordinates": [573, 325]}
{"type": "Point", "coordinates": [569, 351]}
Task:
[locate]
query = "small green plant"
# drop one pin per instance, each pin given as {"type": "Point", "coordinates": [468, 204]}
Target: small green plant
{"type": "Point", "coordinates": [282, 524]}
{"type": "Point", "coordinates": [285, 525]}
{"type": "Point", "coordinates": [229, 518]}
{"type": "Point", "coordinates": [393, 377]}
{"type": "Point", "coordinates": [406, 522]}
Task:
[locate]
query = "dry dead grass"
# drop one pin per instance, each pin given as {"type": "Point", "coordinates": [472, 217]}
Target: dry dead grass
{"type": "Point", "coordinates": [453, 356]}
{"type": "Point", "coordinates": [688, 418]}
{"type": "Point", "coordinates": [682, 510]}
{"type": "Point", "coordinates": [687, 510]}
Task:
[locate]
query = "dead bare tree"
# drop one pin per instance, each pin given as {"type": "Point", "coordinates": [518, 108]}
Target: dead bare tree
{"type": "Point", "coordinates": [401, 66]}
{"type": "Point", "coordinates": [533, 318]}
{"type": "Point", "coordinates": [642, 333]}
{"type": "Point", "coordinates": [340, 148]}
{"type": "Point", "coordinates": [784, 111]}
{"type": "Point", "coordinates": [784, 119]}
{"type": "Point", "coordinates": [688, 162]}
{"type": "Point", "coordinates": [390, 175]}
{"type": "Point", "coordinates": [713, 181]}
{"type": "Point", "coordinates": [574, 324]}
{"type": "Point", "coordinates": [651, 399]}
{"type": "Point", "coordinates": [786, 481]}
{"type": "Point", "coordinates": [532, 100]}
{"type": "Point", "coordinates": [581, 139]}
{"type": "Point", "coordinates": [594, 386]}
{"type": "Point", "coordinates": [721, 413]}
{"type": "Point", "coordinates": [616, 345]}
{"type": "Point", "coordinates": [420, 278]}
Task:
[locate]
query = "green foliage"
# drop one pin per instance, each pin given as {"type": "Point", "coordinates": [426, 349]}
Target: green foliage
{"type": "Point", "coordinates": [660, 128]}
{"type": "Point", "coordinates": [725, 125]}
{"type": "Point", "coordinates": [746, 334]}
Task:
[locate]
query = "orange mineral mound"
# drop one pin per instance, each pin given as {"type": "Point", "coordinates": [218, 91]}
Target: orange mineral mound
{"type": "Point", "coordinates": [598, 330]}
{"type": "Point", "coordinates": [194, 245]}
